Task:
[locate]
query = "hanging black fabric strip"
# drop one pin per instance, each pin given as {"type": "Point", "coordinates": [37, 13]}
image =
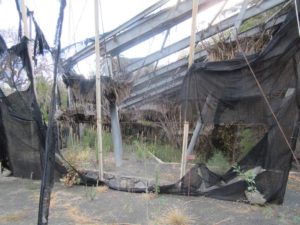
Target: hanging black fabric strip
{"type": "Point", "coordinates": [51, 136]}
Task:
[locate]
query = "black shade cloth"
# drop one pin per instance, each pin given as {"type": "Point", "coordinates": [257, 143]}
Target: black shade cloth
{"type": "Point", "coordinates": [20, 140]}
{"type": "Point", "coordinates": [229, 92]}
{"type": "Point", "coordinates": [231, 96]}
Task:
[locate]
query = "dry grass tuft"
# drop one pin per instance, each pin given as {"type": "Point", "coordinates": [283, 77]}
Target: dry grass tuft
{"type": "Point", "coordinates": [78, 157]}
{"type": "Point", "coordinates": [54, 199]}
{"type": "Point", "coordinates": [78, 217]}
{"type": "Point", "coordinates": [220, 48]}
{"type": "Point", "coordinates": [35, 197]}
{"type": "Point", "coordinates": [176, 216]}
{"type": "Point", "coordinates": [13, 217]}
{"type": "Point", "coordinates": [149, 196]}
{"type": "Point", "coordinates": [294, 177]}
{"type": "Point", "coordinates": [71, 178]}
{"type": "Point", "coordinates": [102, 189]}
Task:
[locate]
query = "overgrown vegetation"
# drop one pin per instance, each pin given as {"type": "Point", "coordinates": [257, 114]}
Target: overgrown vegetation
{"type": "Point", "coordinates": [164, 152]}
{"type": "Point", "coordinates": [218, 163]}
{"type": "Point", "coordinates": [229, 144]}
{"type": "Point", "coordinates": [43, 89]}
{"type": "Point", "coordinates": [247, 142]}
{"type": "Point", "coordinates": [223, 46]}
{"type": "Point", "coordinates": [82, 153]}
{"type": "Point", "coordinates": [171, 125]}
{"type": "Point", "coordinates": [141, 150]}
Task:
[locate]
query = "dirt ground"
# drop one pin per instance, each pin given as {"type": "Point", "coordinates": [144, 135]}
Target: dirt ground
{"type": "Point", "coordinates": [90, 205]}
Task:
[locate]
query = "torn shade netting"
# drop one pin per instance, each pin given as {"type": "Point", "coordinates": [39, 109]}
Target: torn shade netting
{"type": "Point", "coordinates": [226, 93]}
{"type": "Point", "coordinates": [222, 93]}
{"type": "Point", "coordinates": [21, 144]}
{"type": "Point", "coordinates": [22, 136]}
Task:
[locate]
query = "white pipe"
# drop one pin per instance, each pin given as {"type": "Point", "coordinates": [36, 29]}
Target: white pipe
{"type": "Point", "coordinates": [98, 93]}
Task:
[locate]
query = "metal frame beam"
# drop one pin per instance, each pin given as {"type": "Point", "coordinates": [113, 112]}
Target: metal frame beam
{"type": "Point", "coordinates": [142, 29]}
{"type": "Point", "coordinates": [160, 79]}
{"type": "Point", "coordinates": [203, 34]}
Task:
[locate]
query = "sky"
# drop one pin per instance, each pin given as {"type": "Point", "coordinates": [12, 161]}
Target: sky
{"type": "Point", "coordinates": [79, 21]}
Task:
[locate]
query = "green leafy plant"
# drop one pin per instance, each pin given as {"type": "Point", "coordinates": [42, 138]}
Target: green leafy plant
{"type": "Point", "coordinates": [296, 220]}
{"type": "Point", "coordinates": [90, 192]}
{"type": "Point", "coordinates": [248, 176]}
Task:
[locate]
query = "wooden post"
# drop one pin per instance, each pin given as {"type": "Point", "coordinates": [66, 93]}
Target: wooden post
{"type": "Point", "coordinates": [24, 18]}
{"type": "Point", "coordinates": [191, 60]}
{"type": "Point", "coordinates": [98, 93]}
{"type": "Point", "coordinates": [184, 148]}
{"type": "Point", "coordinates": [26, 34]}
{"type": "Point", "coordinates": [193, 33]}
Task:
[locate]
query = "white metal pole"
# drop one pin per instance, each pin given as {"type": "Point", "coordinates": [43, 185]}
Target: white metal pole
{"type": "Point", "coordinates": [191, 60]}
{"type": "Point", "coordinates": [193, 32]}
{"type": "Point", "coordinates": [98, 93]}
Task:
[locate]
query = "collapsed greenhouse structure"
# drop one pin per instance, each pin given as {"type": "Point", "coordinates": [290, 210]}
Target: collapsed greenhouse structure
{"type": "Point", "coordinates": [240, 90]}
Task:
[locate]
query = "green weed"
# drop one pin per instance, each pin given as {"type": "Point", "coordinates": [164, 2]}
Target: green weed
{"type": "Point", "coordinates": [248, 176]}
{"type": "Point", "coordinates": [90, 192]}
{"type": "Point", "coordinates": [296, 220]}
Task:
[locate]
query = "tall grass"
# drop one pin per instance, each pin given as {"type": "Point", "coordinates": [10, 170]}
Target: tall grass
{"type": "Point", "coordinates": [165, 152]}
{"type": "Point", "coordinates": [82, 153]}
{"type": "Point", "coordinates": [141, 148]}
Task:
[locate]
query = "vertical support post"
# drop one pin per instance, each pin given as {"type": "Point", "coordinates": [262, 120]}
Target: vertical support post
{"type": "Point", "coordinates": [116, 134]}
{"type": "Point", "coordinates": [195, 136]}
{"type": "Point", "coordinates": [30, 24]}
{"type": "Point", "coordinates": [297, 14]}
{"type": "Point", "coordinates": [184, 148]}
{"type": "Point", "coordinates": [70, 99]}
{"type": "Point", "coordinates": [191, 60]}
{"type": "Point", "coordinates": [57, 107]}
{"type": "Point", "coordinates": [26, 34]}
{"type": "Point", "coordinates": [198, 128]}
{"type": "Point", "coordinates": [70, 105]}
{"type": "Point", "coordinates": [24, 18]}
{"type": "Point", "coordinates": [98, 93]}
{"type": "Point", "coordinates": [193, 33]}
